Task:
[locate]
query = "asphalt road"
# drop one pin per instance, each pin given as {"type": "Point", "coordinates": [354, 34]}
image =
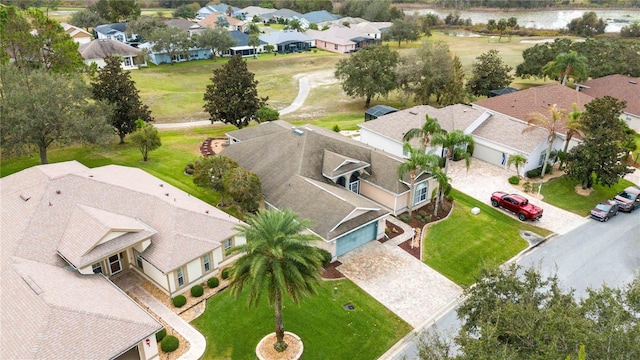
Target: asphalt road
{"type": "Point", "coordinates": [588, 256]}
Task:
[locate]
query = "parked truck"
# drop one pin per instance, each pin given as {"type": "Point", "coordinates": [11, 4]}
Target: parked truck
{"type": "Point", "coordinates": [516, 204]}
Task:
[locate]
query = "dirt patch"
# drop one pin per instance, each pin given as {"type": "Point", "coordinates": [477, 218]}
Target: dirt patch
{"type": "Point", "coordinates": [583, 192]}
{"type": "Point", "coordinates": [406, 246]}
{"type": "Point", "coordinates": [331, 272]}
{"type": "Point", "coordinates": [267, 351]}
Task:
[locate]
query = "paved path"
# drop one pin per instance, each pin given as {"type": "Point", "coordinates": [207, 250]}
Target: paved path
{"type": "Point", "coordinates": [483, 178]}
{"type": "Point", "coordinates": [196, 340]}
{"type": "Point", "coordinates": [303, 92]}
{"type": "Point", "coordinates": [402, 283]}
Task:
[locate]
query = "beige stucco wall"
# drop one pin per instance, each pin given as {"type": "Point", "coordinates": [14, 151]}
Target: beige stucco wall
{"type": "Point", "coordinates": [377, 194]}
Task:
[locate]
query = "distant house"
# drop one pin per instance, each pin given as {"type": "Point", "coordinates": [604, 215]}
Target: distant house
{"type": "Point", "coordinates": [78, 35]}
{"type": "Point", "coordinates": [284, 14]}
{"type": "Point", "coordinates": [229, 23]}
{"type": "Point", "coordinates": [66, 230]}
{"type": "Point", "coordinates": [188, 26]}
{"type": "Point", "coordinates": [221, 8]}
{"type": "Point", "coordinates": [118, 32]}
{"type": "Point", "coordinates": [340, 39]}
{"type": "Point", "coordinates": [344, 187]}
{"type": "Point", "coordinates": [193, 53]}
{"type": "Point", "coordinates": [315, 17]}
{"type": "Point", "coordinates": [97, 50]}
{"type": "Point", "coordinates": [496, 136]}
{"type": "Point", "coordinates": [621, 87]}
{"type": "Point", "coordinates": [286, 41]}
{"type": "Point", "coordinates": [250, 11]}
{"type": "Point", "coordinates": [242, 47]}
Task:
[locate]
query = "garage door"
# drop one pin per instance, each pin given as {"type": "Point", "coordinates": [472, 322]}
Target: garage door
{"type": "Point", "coordinates": [356, 238]}
{"type": "Point", "coordinates": [489, 155]}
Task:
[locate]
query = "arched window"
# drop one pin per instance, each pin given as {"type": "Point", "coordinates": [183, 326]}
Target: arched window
{"type": "Point", "coordinates": [341, 181]}
{"type": "Point", "coordinates": [354, 183]}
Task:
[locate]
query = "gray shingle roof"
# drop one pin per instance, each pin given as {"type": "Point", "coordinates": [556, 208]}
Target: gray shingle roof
{"type": "Point", "coordinates": [290, 166]}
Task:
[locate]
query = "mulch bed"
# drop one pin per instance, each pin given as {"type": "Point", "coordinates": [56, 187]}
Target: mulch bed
{"type": "Point", "coordinates": [330, 272]}
{"type": "Point", "coordinates": [394, 231]}
{"type": "Point", "coordinates": [443, 210]}
{"type": "Point", "coordinates": [406, 246]}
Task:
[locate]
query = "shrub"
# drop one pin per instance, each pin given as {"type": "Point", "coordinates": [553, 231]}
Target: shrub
{"type": "Point", "coordinates": [527, 187]}
{"type": "Point", "coordinates": [225, 274]}
{"type": "Point", "coordinates": [169, 343]}
{"type": "Point", "coordinates": [514, 180]}
{"type": "Point", "coordinates": [179, 301]}
{"type": "Point", "coordinates": [537, 171]}
{"type": "Point", "coordinates": [188, 169]}
{"type": "Point", "coordinates": [213, 282]}
{"type": "Point", "coordinates": [197, 291]}
{"type": "Point", "coordinates": [161, 334]}
{"type": "Point", "coordinates": [422, 213]}
{"type": "Point", "coordinates": [336, 128]}
{"type": "Point", "coordinates": [405, 218]}
{"type": "Point", "coordinates": [326, 257]}
{"type": "Point", "coordinates": [267, 114]}
{"type": "Point", "coordinates": [387, 230]}
{"type": "Point", "coordinates": [427, 218]}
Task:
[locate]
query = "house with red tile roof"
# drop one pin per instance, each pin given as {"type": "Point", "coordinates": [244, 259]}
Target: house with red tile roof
{"type": "Point", "coordinates": [621, 87]}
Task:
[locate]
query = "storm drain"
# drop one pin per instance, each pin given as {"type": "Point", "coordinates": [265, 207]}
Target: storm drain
{"type": "Point", "coordinates": [348, 306]}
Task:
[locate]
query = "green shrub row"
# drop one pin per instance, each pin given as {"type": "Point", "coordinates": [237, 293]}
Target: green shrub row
{"type": "Point", "coordinates": [213, 282]}
{"type": "Point", "coordinates": [538, 171]}
{"type": "Point", "coordinates": [225, 274]}
{"type": "Point", "coordinates": [161, 334]}
{"type": "Point", "coordinates": [197, 291]}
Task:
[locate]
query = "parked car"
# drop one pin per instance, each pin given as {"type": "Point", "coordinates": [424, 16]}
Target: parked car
{"type": "Point", "coordinates": [628, 199]}
{"type": "Point", "coordinates": [605, 210]}
{"type": "Point", "coordinates": [517, 204]}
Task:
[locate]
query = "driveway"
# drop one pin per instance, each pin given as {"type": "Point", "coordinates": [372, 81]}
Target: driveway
{"type": "Point", "coordinates": [483, 178]}
{"type": "Point", "coordinates": [402, 283]}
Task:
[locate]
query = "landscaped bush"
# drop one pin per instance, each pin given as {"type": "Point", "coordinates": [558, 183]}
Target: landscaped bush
{"type": "Point", "coordinates": [169, 343]}
{"type": "Point", "coordinates": [179, 301]}
{"type": "Point", "coordinates": [514, 180]}
{"type": "Point", "coordinates": [422, 213]}
{"type": "Point", "coordinates": [213, 282]}
{"type": "Point", "coordinates": [405, 218]}
{"type": "Point", "coordinates": [197, 291]}
{"type": "Point", "coordinates": [536, 172]}
{"type": "Point", "coordinates": [526, 187]}
{"type": "Point", "coordinates": [326, 257]}
{"type": "Point", "coordinates": [336, 128]}
{"type": "Point", "coordinates": [161, 334]}
{"type": "Point", "coordinates": [188, 169]}
{"type": "Point", "coordinates": [225, 273]}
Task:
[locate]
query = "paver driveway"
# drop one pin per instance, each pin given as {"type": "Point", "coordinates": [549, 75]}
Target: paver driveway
{"type": "Point", "coordinates": [402, 283]}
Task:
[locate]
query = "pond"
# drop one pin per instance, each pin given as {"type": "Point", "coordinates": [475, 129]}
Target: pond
{"type": "Point", "coordinates": [540, 19]}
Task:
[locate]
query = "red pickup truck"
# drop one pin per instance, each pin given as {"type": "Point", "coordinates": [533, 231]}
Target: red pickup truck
{"type": "Point", "coordinates": [516, 204]}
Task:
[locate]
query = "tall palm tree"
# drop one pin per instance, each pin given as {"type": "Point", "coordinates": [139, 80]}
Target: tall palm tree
{"type": "Point", "coordinates": [573, 125]}
{"type": "Point", "coordinates": [279, 259]}
{"type": "Point", "coordinates": [551, 124]}
{"type": "Point", "coordinates": [417, 162]}
{"type": "Point", "coordinates": [454, 145]}
{"type": "Point", "coordinates": [443, 183]}
{"type": "Point", "coordinates": [430, 127]}
{"type": "Point", "coordinates": [516, 160]}
{"type": "Point", "coordinates": [567, 65]}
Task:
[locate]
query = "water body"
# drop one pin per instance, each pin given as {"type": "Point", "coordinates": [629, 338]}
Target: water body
{"type": "Point", "coordinates": [542, 19]}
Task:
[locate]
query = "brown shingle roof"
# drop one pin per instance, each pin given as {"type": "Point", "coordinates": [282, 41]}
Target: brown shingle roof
{"type": "Point", "coordinates": [621, 87]}
{"type": "Point", "coordinates": [100, 49]}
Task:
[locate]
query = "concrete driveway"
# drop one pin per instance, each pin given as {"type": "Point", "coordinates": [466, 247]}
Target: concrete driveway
{"type": "Point", "coordinates": [483, 179]}
{"type": "Point", "coordinates": [402, 283]}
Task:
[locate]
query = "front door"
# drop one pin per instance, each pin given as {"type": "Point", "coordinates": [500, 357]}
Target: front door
{"type": "Point", "coordinates": [115, 264]}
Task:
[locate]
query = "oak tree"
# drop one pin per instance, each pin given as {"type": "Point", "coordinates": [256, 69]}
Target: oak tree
{"type": "Point", "coordinates": [244, 188]}
{"type": "Point", "coordinates": [145, 138]}
{"type": "Point", "coordinates": [209, 171]}
{"type": "Point", "coordinates": [172, 41]}
{"type": "Point", "coordinates": [489, 72]}
{"type": "Point", "coordinates": [403, 30]}
{"type": "Point", "coordinates": [218, 40]}
{"type": "Point", "coordinates": [232, 98]}
{"type": "Point", "coordinates": [114, 85]}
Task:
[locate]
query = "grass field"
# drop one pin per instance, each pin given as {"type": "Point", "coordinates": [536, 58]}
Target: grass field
{"type": "Point", "coordinates": [328, 331]}
{"type": "Point", "coordinates": [486, 240]}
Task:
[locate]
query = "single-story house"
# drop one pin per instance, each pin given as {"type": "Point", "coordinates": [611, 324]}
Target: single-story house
{"type": "Point", "coordinates": [286, 41]}
{"type": "Point", "coordinates": [221, 8]}
{"type": "Point", "coordinates": [78, 35]}
{"type": "Point", "coordinates": [284, 14]}
{"type": "Point", "coordinates": [118, 32]}
{"type": "Point", "coordinates": [186, 25]}
{"type": "Point", "coordinates": [496, 136]}
{"type": "Point", "coordinates": [97, 50]}
{"type": "Point", "coordinates": [340, 39]}
{"type": "Point", "coordinates": [230, 23]}
{"type": "Point", "coordinates": [66, 230]}
{"type": "Point", "coordinates": [344, 187]}
{"type": "Point", "coordinates": [250, 11]}
{"type": "Point", "coordinates": [621, 87]}
{"type": "Point", "coordinates": [242, 47]}
{"type": "Point", "coordinates": [314, 17]}
{"type": "Point", "coordinates": [162, 57]}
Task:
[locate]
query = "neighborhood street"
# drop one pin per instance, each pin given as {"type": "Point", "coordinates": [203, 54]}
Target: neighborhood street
{"type": "Point", "coordinates": [585, 257]}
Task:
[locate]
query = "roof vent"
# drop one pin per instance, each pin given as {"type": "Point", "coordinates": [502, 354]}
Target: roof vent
{"type": "Point", "coordinates": [32, 284]}
{"type": "Point", "coordinates": [633, 82]}
{"type": "Point", "coordinates": [25, 197]}
{"type": "Point", "coordinates": [298, 131]}
{"type": "Point", "coordinates": [413, 113]}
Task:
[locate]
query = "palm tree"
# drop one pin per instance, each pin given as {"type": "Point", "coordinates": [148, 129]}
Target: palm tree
{"type": "Point", "coordinates": [573, 125]}
{"type": "Point", "coordinates": [253, 28]}
{"type": "Point", "coordinates": [551, 124]}
{"type": "Point", "coordinates": [296, 25]}
{"type": "Point", "coordinates": [454, 145]}
{"type": "Point", "coordinates": [516, 160]}
{"type": "Point", "coordinates": [417, 163]}
{"type": "Point", "coordinates": [279, 259]}
{"type": "Point", "coordinates": [430, 127]}
{"type": "Point", "coordinates": [567, 65]}
{"type": "Point", "coordinates": [254, 41]}
{"type": "Point", "coordinates": [443, 183]}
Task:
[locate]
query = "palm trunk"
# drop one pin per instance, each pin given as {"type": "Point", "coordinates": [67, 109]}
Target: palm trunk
{"type": "Point", "coordinates": [411, 192]}
{"type": "Point", "coordinates": [546, 159]}
{"type": "Point", "coordinates": [280, 345]}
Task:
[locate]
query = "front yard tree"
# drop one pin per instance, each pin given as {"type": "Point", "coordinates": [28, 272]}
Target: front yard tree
{"type": "Point", "coordinates": [36, 116]}
{"type": "Point", "coordinates": [145, 138]}
{"type": "Point", "coordinates": [369, 72]}
{"type": "Point", "coordinates": [417, 163]}
{"type": "Point", "coordinates": [601, 154]}
{"type": "Point", "coordinates": [243, 187]}
{"type": "Point", "coordinates": [551, 124]}
{"type": "Point", "coordinates": [233, 96]}
{"type": "Point", "coordinates": [278, 259]}
{"type": "Point", "coordinates": [517, 160]}
{"type": "Point", "coordinates": [114, 86]}
{"type": "Point", "coordinates": [566, 65]}
{"type": "Point", "coordinates": [218, 40]}
{"type": "Point", "coordinates": [172, 41]}
{"type": "Point", "coordinates": [489, 72]}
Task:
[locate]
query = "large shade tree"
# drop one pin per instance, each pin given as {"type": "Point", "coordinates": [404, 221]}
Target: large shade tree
{"type": "Point", "coordinates": [37, 114]}
{"type": "Point", "coordinates": [552, 124]}
{"type": "Point", "coordinates": [368, 73]}
{"type": "Point", "coordinates": [218, 40]}
{"type": "Point", "coordinates": [489, 72]}
{"type": "Point", "coordinates": [279, 259]}
{"type": "Point", "coordinates": [114, 85]}
{"type": "Point", "coordinates": [599, 158]}
{"type": "Point", "coordinates": [232, 97]}
{"type": "Point", "coordinates": [567, 65]}
{"type": "Point", "coordinates": [416, 163]}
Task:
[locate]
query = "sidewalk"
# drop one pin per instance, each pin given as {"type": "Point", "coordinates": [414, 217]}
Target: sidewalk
{"type": "Point", "coordinates": [196, 340]}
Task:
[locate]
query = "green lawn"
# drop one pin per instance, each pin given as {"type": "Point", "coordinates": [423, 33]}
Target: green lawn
{"type": "Point", "coordinates": [328, 331]}
{"type": "Point", "coordinates": [561, 192]}
{"type": "Point", "coordinates": [460, 247]}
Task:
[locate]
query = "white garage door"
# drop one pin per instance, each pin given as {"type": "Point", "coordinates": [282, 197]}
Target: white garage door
{"type": "Point", "coordinates": [489, 155]}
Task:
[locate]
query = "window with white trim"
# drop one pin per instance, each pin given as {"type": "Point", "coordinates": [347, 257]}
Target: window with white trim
{"type": "Point", "coordinates": [227, 244]}
{"type": "Point", "coordinates": [97, 268]}
{"type": "Point", "coordinates": [180, 277]}
{"type": "Point", "coordinates": [420, 194]}
{"type": "Point", "coordinates": [206, 263]}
